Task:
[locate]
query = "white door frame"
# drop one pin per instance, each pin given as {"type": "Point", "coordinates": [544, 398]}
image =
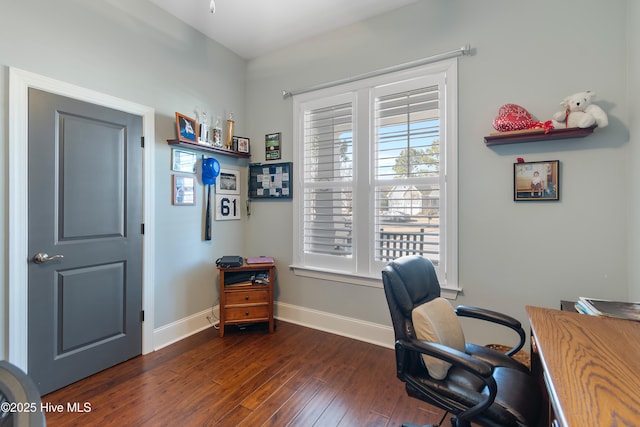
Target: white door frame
{"type": "Point", "coordinates": [19, 83]}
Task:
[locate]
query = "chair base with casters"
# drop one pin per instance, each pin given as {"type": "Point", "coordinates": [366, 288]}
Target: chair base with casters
{"type": "Point", "coordinates": [19, 390]}
{"type": "Point", "coordinates": [473, 383]}
{"type": "Point", "coordinates": [439, 424]}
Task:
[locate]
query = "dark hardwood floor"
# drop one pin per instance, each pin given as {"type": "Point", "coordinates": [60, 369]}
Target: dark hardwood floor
{"type": "Point", "coordinates": [294, 377]}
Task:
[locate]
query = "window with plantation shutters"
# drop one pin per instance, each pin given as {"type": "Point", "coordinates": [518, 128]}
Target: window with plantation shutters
{"type": "Point", "coordinates": [378, 175]}
{"type": "Point", "coordinates": [407, 174]}
{"type": "Point", "coordinates": [328, 180]}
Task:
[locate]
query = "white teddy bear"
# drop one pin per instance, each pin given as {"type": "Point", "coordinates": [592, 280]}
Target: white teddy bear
{"type": "Point", "coordinates": [580, 112]}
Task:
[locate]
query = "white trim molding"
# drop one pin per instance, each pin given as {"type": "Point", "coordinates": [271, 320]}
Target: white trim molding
{"type": "Point", "coordinates": [356, 279]}
{"type": "Point", "coordinates": [360, 330]}
{"type": "Point", "coordinates": [19, 83]}
{"type": "Point", "coordinates": [183, 328]}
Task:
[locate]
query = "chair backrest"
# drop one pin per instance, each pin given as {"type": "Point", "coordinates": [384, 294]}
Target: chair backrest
{"type": "Point", "coordinates": [409, 281]}
{"type": "Point", "coordinates": [468, 390]}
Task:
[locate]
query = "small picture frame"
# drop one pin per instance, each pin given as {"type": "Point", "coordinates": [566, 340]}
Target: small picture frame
{"type": "Point", "coordinates": [183, 190]}
{"type": "Point", "coordinates": [243, 145]}
{"type": "Point", "coordinates": [228, 181]}
{"type": "Point", "coordinates": [536, 181]}
{"type": "Point", "coordinates": [183, 161]}
{"type": "Point", "coordinates": [187, 128]}
{"type": "Point", "coordinates": [272, 146]}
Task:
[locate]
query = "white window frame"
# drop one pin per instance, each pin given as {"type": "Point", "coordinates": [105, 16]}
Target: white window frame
{"type": "Point", "coordinates": [361, 269]}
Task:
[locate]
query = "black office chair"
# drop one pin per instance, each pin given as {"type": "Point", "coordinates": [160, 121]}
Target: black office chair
{"type": "Point", "coordinates": [474, 383]}
{"type": "Point", "coordinates": [19, 398]}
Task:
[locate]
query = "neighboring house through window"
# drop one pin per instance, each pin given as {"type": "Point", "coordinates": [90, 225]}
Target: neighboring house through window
{"type": "Point", "coordinates": [377, 174]}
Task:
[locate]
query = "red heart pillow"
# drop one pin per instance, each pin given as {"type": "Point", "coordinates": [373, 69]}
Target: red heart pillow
{"type": "Point", "coordinates": [513, 117]}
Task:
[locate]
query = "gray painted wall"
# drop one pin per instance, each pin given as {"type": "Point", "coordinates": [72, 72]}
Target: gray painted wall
{"type": "Point", "coordinates": [135, 51]}
{"type": "Point", "coordinates": [510, 254]}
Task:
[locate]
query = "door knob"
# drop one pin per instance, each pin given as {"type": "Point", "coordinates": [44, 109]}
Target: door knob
{"type": "Point", "coordinates": [40, 258]}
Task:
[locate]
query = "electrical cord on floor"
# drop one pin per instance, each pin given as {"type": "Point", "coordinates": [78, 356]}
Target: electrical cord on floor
{"type": "Point", "coordinates": [213, 319]}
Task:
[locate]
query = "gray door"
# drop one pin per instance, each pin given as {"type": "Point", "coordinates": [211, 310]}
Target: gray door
{"type": "Point", "coordinates": [85, 204]}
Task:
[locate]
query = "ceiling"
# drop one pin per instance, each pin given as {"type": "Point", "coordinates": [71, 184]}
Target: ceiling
{"type": "Point", "coordinates": [252, 28]}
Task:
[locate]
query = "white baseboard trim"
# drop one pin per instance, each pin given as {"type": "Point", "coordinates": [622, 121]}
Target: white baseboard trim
{"type": "Point", "coordinates": [360, 330]}
{"type": "Point", "coordinates": [181, 329]}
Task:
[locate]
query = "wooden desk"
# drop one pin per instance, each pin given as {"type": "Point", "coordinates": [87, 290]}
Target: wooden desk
{"type": "Point", "coordinates": [591, 367]}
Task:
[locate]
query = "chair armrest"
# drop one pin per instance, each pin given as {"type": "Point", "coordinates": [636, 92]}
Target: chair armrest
{"type": "Point", "coordinates": [456, 358]}
{"type": "Point", "coordinates": [476, 367]}
{"type": "Point", "coordinates": [495, 317]}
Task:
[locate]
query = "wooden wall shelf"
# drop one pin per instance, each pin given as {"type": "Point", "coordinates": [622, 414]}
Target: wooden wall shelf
{"type": "Point", "coordinates": [532, 135]}
{"type": "Point", "coordinates": [208, 149]}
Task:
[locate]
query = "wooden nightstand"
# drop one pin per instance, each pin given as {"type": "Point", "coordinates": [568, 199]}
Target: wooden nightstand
{"type": "Point", "coordinates": [246, 295]}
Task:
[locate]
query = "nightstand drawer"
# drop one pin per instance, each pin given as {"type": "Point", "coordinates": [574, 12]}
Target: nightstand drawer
{"type": "Point", "coordinates": [246, 297]}
{"type": "Point", "coordinates": [255, 313]}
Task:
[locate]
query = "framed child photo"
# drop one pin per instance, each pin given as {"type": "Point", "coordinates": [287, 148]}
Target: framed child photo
{"type": "Point", "coordinates": [243, 145]}
{"type": "Point", "coordinates": [536, 181]}
{"type": "Point", "coordinates": [187, 128]}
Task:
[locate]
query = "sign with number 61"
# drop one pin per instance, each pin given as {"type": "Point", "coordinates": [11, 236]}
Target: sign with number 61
{"type": "Point", "coordinates": [227, 207]}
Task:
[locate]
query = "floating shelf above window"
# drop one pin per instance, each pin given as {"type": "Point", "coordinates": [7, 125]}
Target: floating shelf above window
{"type": "Point", "coordinates": [208, 149]}
{"type": "Point", "coordinates": [531, 135]}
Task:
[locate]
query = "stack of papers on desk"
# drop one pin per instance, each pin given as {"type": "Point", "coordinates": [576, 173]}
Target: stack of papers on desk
{"type": "Point", "coordinates": [617, 309]}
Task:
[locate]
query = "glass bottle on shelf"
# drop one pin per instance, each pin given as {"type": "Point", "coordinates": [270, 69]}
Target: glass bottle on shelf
{"type": "Point", "coordinates": [216, 138]}
{"type": "Point", "coordinates": [230, 125]}
{"type": "Point", "coordinates": [203, 136]}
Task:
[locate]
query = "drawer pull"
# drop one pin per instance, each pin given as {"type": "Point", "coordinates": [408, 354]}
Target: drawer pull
{"type": "Point", "coordinates": [246, 313]}
{"type": "Point", "coordinates": [246, 298]}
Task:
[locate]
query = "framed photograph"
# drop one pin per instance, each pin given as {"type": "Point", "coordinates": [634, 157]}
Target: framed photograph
{"type": "Point", "coordinates": [533, 181]}
{"type": "Point", "coordinates": [243, 145]}
{"type": "Point", "coordinates": [187, 128]}
{"type": "Point", "coordinates": [228, 182]}
{"type": "Point", "coordinates": [183, 161]}
{"type": "Point", "coordinates": [272, 146]}
{"type": "Point", "coordinates": [183, 190]}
